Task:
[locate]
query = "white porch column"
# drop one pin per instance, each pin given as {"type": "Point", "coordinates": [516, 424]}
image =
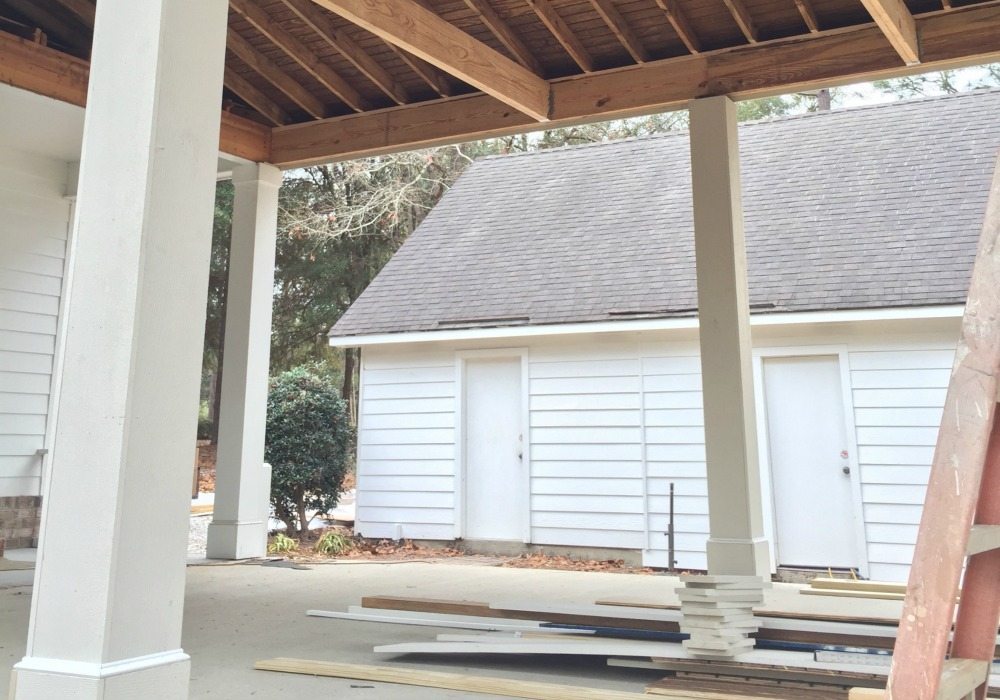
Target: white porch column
{"type": "Point", "coordinates": [738, 557]}
{"type": "Point", "coordinates": [242, 483]}
{"type": "Point", "coordinates": [109, 585]}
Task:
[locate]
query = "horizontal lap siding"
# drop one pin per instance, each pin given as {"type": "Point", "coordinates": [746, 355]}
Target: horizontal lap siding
{"type": "Point", "coordinates": [34, 223]}
{"type": "Point", "coordinates": [586, 447]}
{"type": "Point", "coordinates": [406, 446]}
{"type": "Point", "coordinates": [898, 399]}
{"type": "Point", "coordinates": [675, 454]}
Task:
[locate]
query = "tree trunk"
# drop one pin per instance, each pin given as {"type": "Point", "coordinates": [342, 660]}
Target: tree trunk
{"type": "Point", "coordinates": [220, 358]}
{"type": "Point", "coordinates": [303, 518]}
{"type": "Point", "coordinates": [347, 390]}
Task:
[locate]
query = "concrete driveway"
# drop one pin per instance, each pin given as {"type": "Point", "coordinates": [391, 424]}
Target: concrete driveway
{"type": "Point", "coordinates": [237, 614]}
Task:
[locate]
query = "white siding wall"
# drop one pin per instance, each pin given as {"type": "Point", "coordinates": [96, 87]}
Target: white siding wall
{"type": "Point", "coordinates": [586, 445]}
{"type": "Point", "coordinates": [406, 446]}
{"type": "Point", "coordinates": [898, 397]}
{"type": "Point", "coordinates": [34, 221]}
{"type": "Point", "coordinates": [614, 420]}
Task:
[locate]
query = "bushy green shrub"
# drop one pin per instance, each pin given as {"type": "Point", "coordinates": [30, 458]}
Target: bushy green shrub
{"type": "Point", "coordinates": [282, 544]}
{"type": "Point", "coordinates": [308, 443]}
{"type": "Point", "coordinates": [333, 542]}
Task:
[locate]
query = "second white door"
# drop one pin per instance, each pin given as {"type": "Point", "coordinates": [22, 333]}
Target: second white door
{"type": "Point", "coordinates": [494, 472]}
{"type": "Point", "coordinates": [810, 469]}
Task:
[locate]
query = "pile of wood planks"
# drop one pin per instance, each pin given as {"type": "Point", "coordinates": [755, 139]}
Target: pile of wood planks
{"type": "Point", "coordinates": [628, 634]}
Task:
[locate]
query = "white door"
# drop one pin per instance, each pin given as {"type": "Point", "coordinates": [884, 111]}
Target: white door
{"type": "Point", "coordinates": [494, 474]}
{"type": "Point", "coordinates": [810, 470]}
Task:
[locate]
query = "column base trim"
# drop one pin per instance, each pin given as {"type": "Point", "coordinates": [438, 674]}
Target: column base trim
{"type": "Point", "coordinates": [245, 539]}
{"type": "Point", "coordinates": [163, 675]}
{"type": "Point", "coordinates": [740, 557]}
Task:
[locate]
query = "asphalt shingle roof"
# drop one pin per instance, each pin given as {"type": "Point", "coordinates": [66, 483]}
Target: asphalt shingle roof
{"type": "Point", "coordinates": [878, 206]}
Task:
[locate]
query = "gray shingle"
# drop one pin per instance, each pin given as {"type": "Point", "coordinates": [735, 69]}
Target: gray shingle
{"type": "Point", "coordinates": [872, 207]}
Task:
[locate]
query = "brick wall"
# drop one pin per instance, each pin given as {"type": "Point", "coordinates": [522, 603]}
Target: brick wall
{"type": "Point", "coordinates": [20, 518]}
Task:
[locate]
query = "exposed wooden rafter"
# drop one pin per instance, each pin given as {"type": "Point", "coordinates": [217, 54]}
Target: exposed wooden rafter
{"type": "Point", "coordinates": [282, 38]}
{"type": "Point", "coordinates": [413, 28]}
{"type": "Point", "coordinates": [84, 10]}
{"type": "Point", "coordinates": [743, 20]}
{"type": "Point", "coordinates": [678, 20]}
{"type": "Point", "coordinates": [898, 25]}
{"type": "Point", "coordinates": [563, 34]}
{"type": "Point", "coordinates": [621, 28]}
{"type": "Point", "coordinates": [271, 72]}
{"type": "Point", "coordinates": [502, 31]}
{"type": "Point", "coordinates": [252, 95]}
{"type": "Point", "coordinates": [432, 75]}
{"type": "Point", "coordinates": [320, 22]}
{"type": "Point", "coordinates": [44, 71]}
{"type": "Point", "coordinates": [808, 15]}
{"type": "Point", "coordinates": [836, 57]}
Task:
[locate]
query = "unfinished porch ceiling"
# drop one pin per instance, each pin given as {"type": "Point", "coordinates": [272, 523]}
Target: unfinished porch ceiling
{"type": "Point", "coordinates": [314, 84]}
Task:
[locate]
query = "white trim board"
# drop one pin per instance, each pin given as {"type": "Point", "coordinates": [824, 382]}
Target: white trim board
{"type": "Point", "coordinates": [657, 324]}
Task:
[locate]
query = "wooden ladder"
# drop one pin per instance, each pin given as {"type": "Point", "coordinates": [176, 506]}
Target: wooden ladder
{"type": "Point", "coordinates": [960, 525]}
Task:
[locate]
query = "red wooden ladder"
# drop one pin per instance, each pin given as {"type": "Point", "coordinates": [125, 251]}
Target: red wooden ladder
{"type": "Point", "coordinates": [960, 525]}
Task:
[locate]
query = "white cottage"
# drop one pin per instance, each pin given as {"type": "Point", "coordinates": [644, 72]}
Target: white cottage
{"type": "Point", "coordinates": [530, 369]}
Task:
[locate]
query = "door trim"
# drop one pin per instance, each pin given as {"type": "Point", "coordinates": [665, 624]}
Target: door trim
{"type": "Point", "coordinates": [461, 359]}
{"type": "Point", "coordinates": [764, 452]}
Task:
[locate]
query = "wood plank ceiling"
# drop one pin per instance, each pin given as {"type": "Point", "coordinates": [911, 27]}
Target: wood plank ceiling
{"type": "Point", "coordinates": [292, 62]}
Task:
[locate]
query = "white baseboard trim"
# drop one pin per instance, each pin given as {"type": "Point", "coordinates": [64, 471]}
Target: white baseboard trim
{"type": "Point", "coordinates": [86, 669]}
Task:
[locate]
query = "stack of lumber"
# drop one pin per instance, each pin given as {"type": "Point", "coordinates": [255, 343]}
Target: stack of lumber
{"type": "Point", "coordinates": [717, 614]}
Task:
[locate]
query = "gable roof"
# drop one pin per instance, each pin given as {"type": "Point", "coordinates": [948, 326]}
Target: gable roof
{"type": "Point", "coordinates": [873, 207]}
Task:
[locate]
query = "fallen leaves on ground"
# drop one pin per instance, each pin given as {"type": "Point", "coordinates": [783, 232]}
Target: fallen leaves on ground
{"type": "Point", "coordinates": [539, 560]}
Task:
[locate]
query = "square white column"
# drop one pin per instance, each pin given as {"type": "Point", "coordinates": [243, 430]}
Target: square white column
{"type": "Point", "coordinates": [242, 481]}
{"type": "Point", "coordinates": [109, 585]}
{"type": "Point", "coordinates": [717, 610]}
{"type": "Point", "coordinates": [736, 542]}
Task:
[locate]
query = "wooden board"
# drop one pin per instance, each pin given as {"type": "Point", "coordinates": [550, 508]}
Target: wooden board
{"type": "Point", "coordinates": [844, 584]}
{"type": "Point", "coordinates": [711, 690]}
{"type": "Point", "coordinates": [506, 687]}
{"type": "Point", "coordinates": [736, 669]}
{"type": "Point", "coordinates": [544, 647]}
{"type": "Point", "coordinates": [763, 612]}
{"type": "Point", "coordinates": [871, 595]}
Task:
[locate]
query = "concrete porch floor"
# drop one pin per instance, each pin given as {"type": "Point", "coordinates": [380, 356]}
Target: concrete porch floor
{"type": "Point", "coordinates": [237, 614]}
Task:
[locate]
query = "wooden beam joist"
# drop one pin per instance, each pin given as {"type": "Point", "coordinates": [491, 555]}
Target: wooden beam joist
{"type": "Point", "coordinates": [743, 19]}
{"type": "Point", "coordinates": [898, 25]}
{"type": "Point", "coordinates": [563, 34]}
{"type": "Point", "coordinates": [413, 28]}
{"type": "Point", "coordinates": [84, 10]}
{"type": "Point", "coordinates": [302, 55]}
{"type": "Point", "coordinates": [621, 29]}
{"type": "Point", "coordinates": [678, 20]}
{"type": "Point", "coordinates": [959, 37]}
{"type": "Point", "coordinates": [252, 95]}
{"type": "Point", "coordinates": [271, 72]}
{"type": "Point", "coordinates": [319, 22]}
{"type": "Point", "coordinates": [506, 36]}
{"type": "Point", "coordinates": [50, 73]}
{"type": "Point", "coordinates": [808, 15]}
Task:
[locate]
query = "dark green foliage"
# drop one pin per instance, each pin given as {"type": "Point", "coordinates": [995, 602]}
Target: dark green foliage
{"type": "Point", "coordinates": [308, 443]}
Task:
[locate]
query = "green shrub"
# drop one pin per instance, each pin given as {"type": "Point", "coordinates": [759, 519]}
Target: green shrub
{"type": "Point", "coordinates": [281, 544]}
{"type": "Point", "coordinates": [333, 542]}
{"type": "Point", "coordinates": [308, 443]}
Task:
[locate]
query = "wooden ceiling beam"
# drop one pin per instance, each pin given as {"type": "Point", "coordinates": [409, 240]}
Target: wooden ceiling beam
{"type": "Point", "coordinates": [59, 76]}
{"type": "Point", "coordinates": [808, 15]}
{"type": "Point", "coordinates": [271, 72]}
{"type": "Point", "coordinates": [563, 34]}
{"type": "Point", "coordinates": [319, 22]}
{"type": "Point", "coordinates": [432, 75]}
{"type": "Point", "coordinates": [898, 25]}
{"type": "Point", "coordinates": [252, 95]}
{"type": "Point", "coordinates": [302, 55]}
{"type": "Point", "coordinates": [84, 10]}
{"type": "Point", "coordinates": [413, 28]}
{"type": "Point", "coordinates": [505, 35]}
{"type": "Point", "coordinates": [959, 37]}
{"type": "Point", "coordinates": [678, 20]}
{"type": "Point", "coordinates": [621, 29]}
{"type": "Point", "coordinates": [743, 19]}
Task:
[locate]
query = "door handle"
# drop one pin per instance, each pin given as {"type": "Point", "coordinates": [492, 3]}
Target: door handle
{"type": "Point", "coordinates": [846, 470]}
